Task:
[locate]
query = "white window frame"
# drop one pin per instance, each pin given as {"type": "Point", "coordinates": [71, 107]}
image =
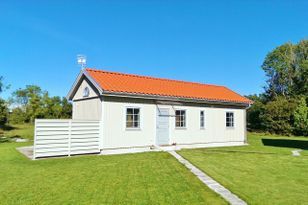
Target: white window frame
{"type": "Point", "coordinates": [231, 118]}
{"type": "Point", "coordinates": [125, 117]}
{"type": "Point", "coordinates": [200, 119]}
{"type": "Point", "coordinates": [184, 121]}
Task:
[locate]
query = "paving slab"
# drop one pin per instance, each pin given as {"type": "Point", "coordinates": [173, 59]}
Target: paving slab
{"type": "Point", "coordinates": [27, 151]}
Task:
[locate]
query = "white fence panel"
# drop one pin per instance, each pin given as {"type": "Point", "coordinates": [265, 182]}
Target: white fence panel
{"type": "Point", "coordinates": [65, 137]}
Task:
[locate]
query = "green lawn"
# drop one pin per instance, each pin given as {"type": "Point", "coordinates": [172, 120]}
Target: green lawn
{"type": "Point", "coordinates": [25, 131]}
{"type": "Point", "coordinates": [262, 173]}
{"type": "Point", "coordinates": [147, 178]}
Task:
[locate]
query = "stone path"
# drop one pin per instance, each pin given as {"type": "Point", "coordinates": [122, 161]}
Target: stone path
{"type": "Point", "coordinates": [208, 181]}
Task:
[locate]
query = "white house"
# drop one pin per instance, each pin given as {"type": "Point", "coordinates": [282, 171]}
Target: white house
{"type": "Point", "coordinates": [139, 111]}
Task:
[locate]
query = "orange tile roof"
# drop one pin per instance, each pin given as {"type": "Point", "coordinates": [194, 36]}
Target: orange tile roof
{"type": "Point", "coordinates": [135, 84]}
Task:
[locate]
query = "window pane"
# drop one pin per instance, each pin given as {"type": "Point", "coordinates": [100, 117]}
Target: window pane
{"type": "Point", "coordinates": [129, 117]}
{"type": "Point", "coordinates": [129, 111]}
{"type": "Point", "coordinates": [136, 124]}
{"type": "Point", "coordinates": [129, 123]}
{"type": "Point", "coordinates": [136, 111]}
{"type": "Point", "coordinates": [136, 117]}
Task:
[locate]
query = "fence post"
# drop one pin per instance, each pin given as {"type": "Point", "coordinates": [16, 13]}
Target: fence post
{"type": "Point", "coordinates": [34, 143]}
{"type": "Point", "coordinates": [100, 137]}
{"type": "Point", "coordinates": [69, 136]}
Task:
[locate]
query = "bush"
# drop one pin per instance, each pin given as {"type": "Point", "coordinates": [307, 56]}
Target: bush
{"type": "Point", "coordinates": [3, 112]}
{"type": "Point", "coordinates": [301, 118]}
{"type": "Point", "coordinates": [17, 116]}
{"type": "Point", "coordinates": [278, 117]}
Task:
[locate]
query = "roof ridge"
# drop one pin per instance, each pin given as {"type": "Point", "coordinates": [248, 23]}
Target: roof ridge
{"type": "Point", "coordinates": [154, 78]}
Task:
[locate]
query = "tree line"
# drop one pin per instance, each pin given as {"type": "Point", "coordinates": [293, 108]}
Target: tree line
{"type": "Point", "coordinates": [32, 102]}
{"type": "Point", "coordinates": [283, 106]}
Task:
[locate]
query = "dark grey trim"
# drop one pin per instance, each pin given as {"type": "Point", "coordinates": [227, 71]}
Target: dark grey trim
{"type": "Point", "coordinates": [173, 99]}
{"type": "Point", "coordinates": [88, 98]}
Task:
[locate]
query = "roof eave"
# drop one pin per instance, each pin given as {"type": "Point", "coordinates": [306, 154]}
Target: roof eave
{"type": "Point", "coordinates": [170, 98]}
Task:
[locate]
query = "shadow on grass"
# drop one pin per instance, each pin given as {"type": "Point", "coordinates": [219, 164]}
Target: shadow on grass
{"type": "Point", "coordinates": [298, 144]}
{"type": "Point", "coordinates": [8, 127]}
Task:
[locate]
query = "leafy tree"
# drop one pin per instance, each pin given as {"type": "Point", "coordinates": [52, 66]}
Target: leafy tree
{"type": "Point", "coordinates": [301, 118]}
{"type": "Point", "coordinates": [66, 109]}
{"type": "Point", "coordinates": [254, 122]}
{"type": "Point", "coordinates": [30, 101]}
{"type": "Point", "coordinates": [17, 116]}
{"type": "Point", "coordinates": [35, 103]}
{"type": "Point", "coordinates": [278, 110]}
{"type": "Point", "coordinates": [287, 70]}
{"type": "Point", "coordinates": [1, 84]}
{"type": "Point", "coordinates": [3, 105]}
{"type": "Point", "coordinates": [3, 112]}
{"type": "Point", "coordinates": [277, 116]}
{"type": "Point", "coordinates": [301, 80]}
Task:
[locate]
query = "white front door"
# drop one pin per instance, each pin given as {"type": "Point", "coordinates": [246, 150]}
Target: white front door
{"type": "Point", "coordinates": [162, 126]}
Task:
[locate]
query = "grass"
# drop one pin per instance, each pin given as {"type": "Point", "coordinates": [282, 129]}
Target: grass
{"type": "Point", "coordinates": [147, 178]}
{"type": "Point", "coordinates": [24, 131]}
{"type": "Point", "coordinates": [264, 172]}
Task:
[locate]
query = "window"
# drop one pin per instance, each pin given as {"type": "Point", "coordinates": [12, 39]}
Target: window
{"type": "Point", "coordinates": [229, 119]}
{"type": "Point", "coordinates": [201, 119]}
{"type": "Point", "coordinates": [132, 118]}
{"type": "Point", "coordinates": [86, 92]}
{"type": "Point", "coordinates": [180, 118]}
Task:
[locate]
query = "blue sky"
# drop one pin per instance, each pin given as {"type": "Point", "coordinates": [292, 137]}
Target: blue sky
{"type": "Point", "coordinates": [216, 42]}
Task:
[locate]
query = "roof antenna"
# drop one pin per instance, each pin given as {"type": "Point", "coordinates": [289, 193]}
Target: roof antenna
{"type": "Point", "coordinates": [82, 60]}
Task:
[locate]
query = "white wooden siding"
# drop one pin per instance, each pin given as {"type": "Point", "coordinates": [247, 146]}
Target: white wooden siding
{"type": "Point", "coordinates": [215, 131]}
{"type": "Point", "coordinates": [65, 137]}
{"type": "Point", "coordinates": [89, 109]}
{"type": "Point", "coordinates": [115, 133]}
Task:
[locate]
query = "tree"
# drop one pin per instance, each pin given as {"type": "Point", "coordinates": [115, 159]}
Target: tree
{"type": "Point", "coordinates": [301, 80]}
{"type": "Point", "coordinates": [254, 122]}
{"type": "Point", "coordinates": [3, 105]}
{"type": "Point", "coordinates": [66, 109]}
{"type": "Point", "coordinates": [277, 116]}
{"type": "Point", "coordinates": [301, 117]}
{"type": "Point", "coordinates": [30, 101]}
{"type": "Point", "coordinates": [3, 112]}
{"type": "Point", "coordinates": [33, 103]}
{"type": "Point", "coordinates": [17, 116]}
{"type": "Point", "coordinates": [286, 68]}
{"type": "Point", "coordinates": [1, 84]}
